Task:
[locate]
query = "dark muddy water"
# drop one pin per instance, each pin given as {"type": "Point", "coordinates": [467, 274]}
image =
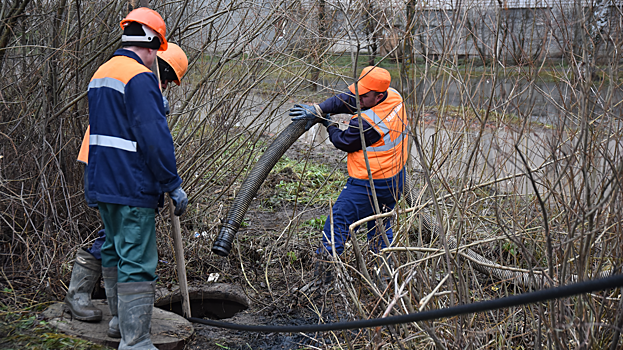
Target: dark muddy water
{"type": "Point", "coordinates": [207, 337]}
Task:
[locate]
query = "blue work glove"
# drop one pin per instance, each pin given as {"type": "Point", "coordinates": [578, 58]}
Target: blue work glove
{"type": "Point", "coordinates": [180, 200]}
{"type": "Point", "coordinates": [327, 121]}
{"type": "Point", "coordinates": [304, 112]}
{"type": "Point", "coordinates": [167, 109]}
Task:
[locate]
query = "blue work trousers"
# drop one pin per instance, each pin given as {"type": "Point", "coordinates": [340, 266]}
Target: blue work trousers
{"type": "Point", "coordinates": [130, 242]}
{"type": "Point", "coordinates": [354, 203]}
{"type": "Point", "coordinates": [96, 248]}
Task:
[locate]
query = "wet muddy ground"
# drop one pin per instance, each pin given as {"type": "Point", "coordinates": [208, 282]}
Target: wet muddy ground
{"type": "Point", "coordinates": [273, 263]}
{"type": "Point", "coordinates": [274, 291]}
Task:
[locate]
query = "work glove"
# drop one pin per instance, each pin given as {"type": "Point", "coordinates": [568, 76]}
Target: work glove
{"type": "Point", "coordinates": [327, 121]}
{"type": "Point", "coordinates": [167, 109]}
{"type": "Point", "coordinates": [304, 112]}
{"type": "Point", "coordinates": [179, 200]}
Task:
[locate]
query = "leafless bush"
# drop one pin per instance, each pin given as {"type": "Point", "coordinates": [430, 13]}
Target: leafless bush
{"type": "Point", "coordinates": [514, 107]}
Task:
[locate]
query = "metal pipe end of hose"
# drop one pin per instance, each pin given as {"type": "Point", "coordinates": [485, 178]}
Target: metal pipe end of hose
{"type": "Point", "coordinates": [224, 241]}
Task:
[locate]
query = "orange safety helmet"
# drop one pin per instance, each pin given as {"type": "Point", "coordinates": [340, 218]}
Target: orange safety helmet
{"type": "Point", "coordinates": [372, 79]}
{"type": "Point", "coordinates": [176, 58]}
{"type": "Point", "coordinates": [151, 19]}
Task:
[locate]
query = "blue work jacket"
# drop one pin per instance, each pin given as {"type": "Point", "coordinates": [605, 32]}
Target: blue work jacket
{"type": "Point", "coordinates": [131, 153]}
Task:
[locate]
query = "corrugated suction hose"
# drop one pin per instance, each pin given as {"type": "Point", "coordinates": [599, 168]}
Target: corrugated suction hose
{"type": "Point", "coordinates": [223, 243]}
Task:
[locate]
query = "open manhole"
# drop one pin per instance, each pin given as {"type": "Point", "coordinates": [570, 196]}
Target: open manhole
{"type": "Point", "coordinates": [214, 300]}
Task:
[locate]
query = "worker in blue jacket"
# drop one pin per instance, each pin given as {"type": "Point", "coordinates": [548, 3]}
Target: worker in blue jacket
{"type": "Point", "coordinates": [385, 133]}
{"type": "Point", "coordinates": [131, 165]}
{"type": "Point", "coordinates": [172, 65]}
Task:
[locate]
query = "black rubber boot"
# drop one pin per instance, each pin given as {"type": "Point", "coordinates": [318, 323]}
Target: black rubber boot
{"type": "Point", "coordinates": [84, 276]}
{"type": "Point", "coordinates": [110, 283]}
{"type": "Point", "coordinates": [136, 304]}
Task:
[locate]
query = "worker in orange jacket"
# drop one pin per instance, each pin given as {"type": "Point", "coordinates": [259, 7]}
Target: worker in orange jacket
{"type": "Point", "coordinates": [385, 133]}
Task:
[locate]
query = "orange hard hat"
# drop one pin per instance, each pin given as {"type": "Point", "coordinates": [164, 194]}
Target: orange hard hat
{"type": "Point", "coordinates": [372, 79]}
{"type": "Point", "coordinates": [151, 19]}
{"type": "Point", "coordinates": [176, 58]}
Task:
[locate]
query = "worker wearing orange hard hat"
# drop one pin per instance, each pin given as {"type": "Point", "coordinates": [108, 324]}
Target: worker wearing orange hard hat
{"type": "Point", "coordinates": [385, 134]}
{"type": "Point", "coordinates": [131, 165]}
{"type": "Point", "coordinates": [172, 64]}
{"type": "Point", "coordinates": [153, 27]}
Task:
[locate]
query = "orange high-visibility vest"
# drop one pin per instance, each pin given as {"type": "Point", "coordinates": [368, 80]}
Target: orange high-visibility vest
{"type": "Point", "coordinates": [388, 155]}
{"type": "Point", "coordinates": [83, 155]}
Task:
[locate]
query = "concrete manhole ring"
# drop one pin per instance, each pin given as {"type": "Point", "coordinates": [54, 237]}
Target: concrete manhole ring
{"type": "Point", "coordinates": [214, 300]}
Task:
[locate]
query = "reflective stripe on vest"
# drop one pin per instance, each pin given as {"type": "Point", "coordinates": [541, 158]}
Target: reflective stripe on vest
{"type": "Point", "coordinates": [113, 142]}
{"type": "Point", "coordinates": [387, 157]}
{"type": "Point", "coordinates": [389, 144]}
{"type": "Point", "coordinates": [114, 75]}
{"type": "Point", "coordinates": [112, 83]}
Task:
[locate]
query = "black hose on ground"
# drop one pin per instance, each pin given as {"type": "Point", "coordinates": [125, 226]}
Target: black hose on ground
{"type": "Point", "coordinates": [614, 281]}
{"type": "Point", "coordinates": [223, 243]}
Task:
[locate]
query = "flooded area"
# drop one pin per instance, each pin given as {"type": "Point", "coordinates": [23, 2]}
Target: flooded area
{"type": "Point", "coordinates": [506, 146]}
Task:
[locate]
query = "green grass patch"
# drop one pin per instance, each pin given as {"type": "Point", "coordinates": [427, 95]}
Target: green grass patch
{"type": "Point", "coordinates": [316, 223]}
{"type": "Point", "coordinates": [308, 184]}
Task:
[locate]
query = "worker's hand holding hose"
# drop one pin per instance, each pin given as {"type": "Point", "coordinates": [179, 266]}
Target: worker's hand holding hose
{"type": "Point", "coordinates": [305, 112]}
{"type": "Point", "coordinates": [327, 121]}
{"type": "Point", "coordinates": [180, 200]}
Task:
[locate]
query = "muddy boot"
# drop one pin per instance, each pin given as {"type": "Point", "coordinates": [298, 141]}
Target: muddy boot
{"type": "Point", "coordinates": [85, 275]}
{"type": "Point", "coordinates": [136, 303]}
{"type": "Point", "coordinates": [323, 269]}
{"type": "Point", "coordinates": [110, 283]}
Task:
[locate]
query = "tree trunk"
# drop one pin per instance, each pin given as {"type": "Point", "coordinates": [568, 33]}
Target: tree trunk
{"type": "Point", "coordinates": [318, 51]}
{"type": "Point", "coordinates": [371, 33]}
{"type": "Point", "coordinates": [9, 20]}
